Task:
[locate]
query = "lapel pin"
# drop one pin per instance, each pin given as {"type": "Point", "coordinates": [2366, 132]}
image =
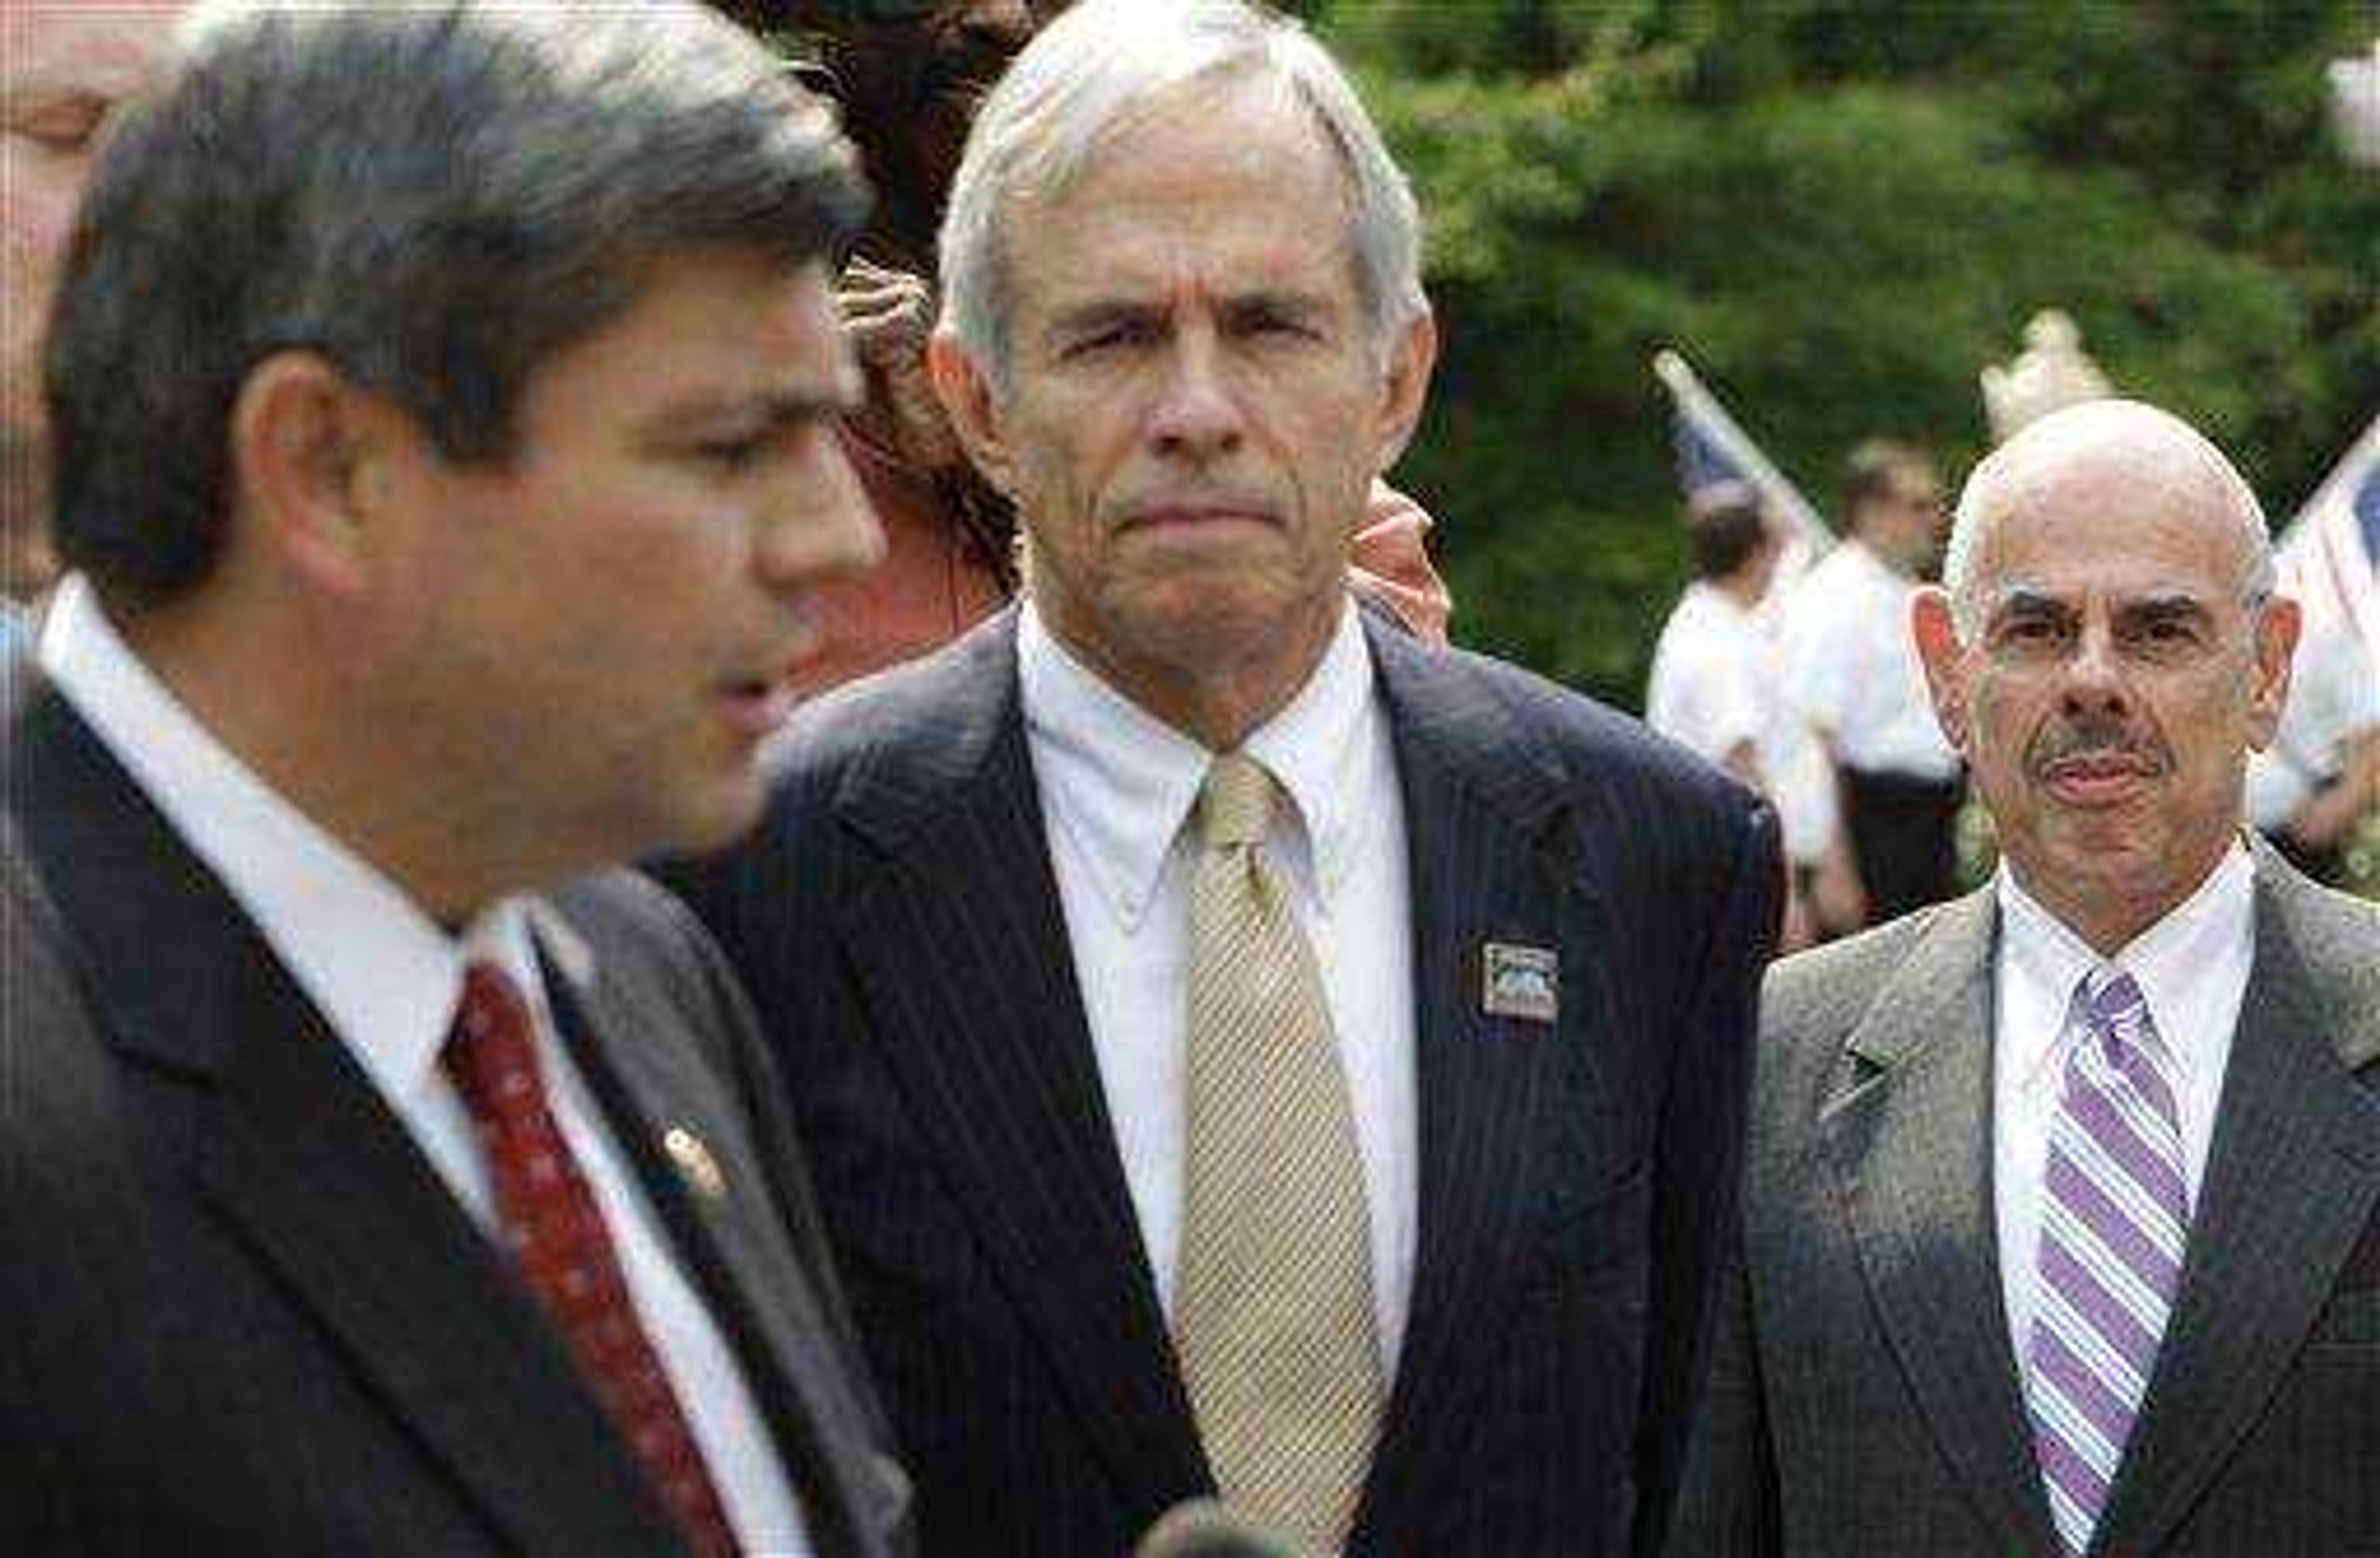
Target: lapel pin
{"type": "Point", "coordinates": [1520, 982]}
{"type": "Point", "coordinates": [695, 1163]}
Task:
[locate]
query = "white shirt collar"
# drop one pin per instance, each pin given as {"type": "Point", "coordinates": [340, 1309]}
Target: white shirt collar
{"type": "Point", "coordinates": [385, 975]}
{"type": "Point", "coordinates": [2170, 960]}
{"type": "Point", "coordinates": [1716, 608]}
{"type": "Point", "coordinates": [1137, 777]}
{"type": "Point", "coordinates": [1707, 602]}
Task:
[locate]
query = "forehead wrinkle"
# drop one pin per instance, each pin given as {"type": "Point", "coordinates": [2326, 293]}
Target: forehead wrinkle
{"type": "Point", "coordinates": [1145, 256]}
{"type": "Point", "coordinates": [2094, 489]}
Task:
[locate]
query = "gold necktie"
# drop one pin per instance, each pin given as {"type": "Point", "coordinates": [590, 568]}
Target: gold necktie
{"type": "Point", "coordinates": [1273, 1314]}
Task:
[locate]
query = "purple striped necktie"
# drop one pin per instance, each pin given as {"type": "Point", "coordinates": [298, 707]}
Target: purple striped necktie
{"type": "Point", "coordinates": [2115, 1215]}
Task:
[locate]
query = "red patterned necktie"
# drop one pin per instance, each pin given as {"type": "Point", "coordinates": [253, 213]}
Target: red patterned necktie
{"type": "Point", "coordinates": [563, 1252]}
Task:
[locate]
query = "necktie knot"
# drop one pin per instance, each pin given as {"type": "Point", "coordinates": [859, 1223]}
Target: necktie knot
{"type": "Point", "coordinates": [2115, 997]}
{"type": "Point", "coordinates": [1235, 802]}
{"type": "Point", "coordinates": [2114, 1011]}
{"type": "Point", "coordinates": [489, 1053]}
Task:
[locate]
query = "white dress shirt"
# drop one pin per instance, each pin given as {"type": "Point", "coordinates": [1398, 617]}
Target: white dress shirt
{"type": "Point", "coordinates": [1714, 685]}
{"type": "Point", "coordinates": [1117, 789]}
{"type": "Point", "coordinates": [388, 980]}
{"type": "Point", "coordinates": [1853, 669]}
{"type": "Point", "coordinates": [1717, 682]}
{"type": "Point", "coordinates": [2193, 970]}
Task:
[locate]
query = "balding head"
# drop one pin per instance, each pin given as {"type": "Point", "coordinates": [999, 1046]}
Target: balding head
{"type": "Point", "coordinates": [2112, 450]}
{"type": "Point", "coordinates": [2108, 652]}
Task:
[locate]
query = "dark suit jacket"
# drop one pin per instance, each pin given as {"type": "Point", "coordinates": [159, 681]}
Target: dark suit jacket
{"type": "Point", "coordinates": [899, 924]}
{"type": "Point", "coordinates": [239, 1310]}
{"type": "Point", "coordinates": [1865, 1395]}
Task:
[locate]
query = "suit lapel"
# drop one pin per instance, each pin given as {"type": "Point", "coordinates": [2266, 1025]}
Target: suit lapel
{"type": "Point", "coordinates": [306, 1167]}
{"type": "Point", "coordinates": [959, 942]}
{"type": "Point", "coordinates": [705, 1182]}
{"type": "Point", "coordinates": [1514, 1115]}
{"type": "Point", "coordinates": [1908, 1139]}
{"type": "Point", "coordinates": [2292, 1178]}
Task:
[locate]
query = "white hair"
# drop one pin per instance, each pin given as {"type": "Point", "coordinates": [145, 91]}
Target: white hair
{"type": "Point", "coordinates": [2160, 448]}
{"type": "Point", "coordinates": [1107, 64]}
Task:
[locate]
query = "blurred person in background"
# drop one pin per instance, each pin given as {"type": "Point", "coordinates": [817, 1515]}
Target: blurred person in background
{"type": "Point", "coordinates": [1717, 679]}
{"type": "Point", "coordinates": [64, 71]}
{"type": "Point", "coordinates": [2320, 779]}
{"type": "Point", "coordinates": [1853, 679]}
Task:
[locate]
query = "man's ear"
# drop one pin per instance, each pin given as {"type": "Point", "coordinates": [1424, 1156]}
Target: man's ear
{"type": "Point", "coordinates": [2277, 628]}
{"type": "Point", "coordinates": [964, 386]}
{"type": "Point", "coordinates": [312, 451]}
{"type": "Point", "coordinates": [1412, 358]}
{"type": "Point", "coordinates": [1935, 630]}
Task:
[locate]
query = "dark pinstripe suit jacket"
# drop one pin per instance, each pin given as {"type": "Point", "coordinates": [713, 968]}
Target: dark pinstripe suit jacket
{"type": "Point", "coordinates": [898, 922]}
{"type": "Point", "coordinates": [238, 1311]}
{"type": "Point", "coordinates": [1865, 1398]}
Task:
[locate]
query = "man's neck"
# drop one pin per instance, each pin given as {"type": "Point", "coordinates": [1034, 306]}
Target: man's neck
{"type": "Point", "coordinates": [1218, 704]}
{"type": "Point", "coordinates": [1884, 553]}
{"type": "Point", "coordinates": [2108, 923]}
{"type": "Point", "coordinates": [1745, 589]}
{"type": "Point", "coordinates": [261, 707]}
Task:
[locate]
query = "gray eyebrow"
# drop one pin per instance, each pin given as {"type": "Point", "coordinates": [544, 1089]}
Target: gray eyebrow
{"type": "Point", "coordinates": [2021, 600]}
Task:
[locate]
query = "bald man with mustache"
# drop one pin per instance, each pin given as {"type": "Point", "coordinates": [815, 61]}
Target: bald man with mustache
{"type": "Point", "coordinates": [2061, 1217]}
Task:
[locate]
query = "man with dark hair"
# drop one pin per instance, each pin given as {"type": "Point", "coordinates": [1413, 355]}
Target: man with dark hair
{"type": "Point", "coordinates": [1854, 680]}
{"type": "Point", "coordinates": [1246, 1050]}
{"type": "Point", "coordinates": [909, 75]}
{"type": "Point", "coordinates": [1729, 537]}
{"type": "Point", "coordinates": [443, 404]}
{"type": "Point", "coordinates": [1715, 684]}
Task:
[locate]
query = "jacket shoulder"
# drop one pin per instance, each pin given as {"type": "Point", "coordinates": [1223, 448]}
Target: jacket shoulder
{"type": "Point", "coordinates": [911, 714]}
{"type": "Point", "coordinates": [624, 917]}
{"type": "Point", "coordinates": [1815, 999]}
{"type": "Point", "coordinates": [639, 936]}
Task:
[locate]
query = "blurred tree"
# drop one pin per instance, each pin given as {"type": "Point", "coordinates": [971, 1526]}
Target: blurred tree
{"type": "Point", "coordinates": [1841, 210]}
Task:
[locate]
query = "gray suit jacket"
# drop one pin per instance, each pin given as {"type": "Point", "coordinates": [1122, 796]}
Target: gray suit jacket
{"type": "Point", "coordinates": [1865, 1397]}
{"type": "Point", "coordinates": [241, 1313]}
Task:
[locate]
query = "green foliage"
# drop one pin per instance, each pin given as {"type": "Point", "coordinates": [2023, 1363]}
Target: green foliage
{"type": "Point", "coordinates": [1517, 39]}
{"type": "Point", "coordinates": [1841, 210]}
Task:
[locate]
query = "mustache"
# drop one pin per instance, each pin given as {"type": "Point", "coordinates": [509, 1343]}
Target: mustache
{"type": "Point", "coordinates": [2103, 736]}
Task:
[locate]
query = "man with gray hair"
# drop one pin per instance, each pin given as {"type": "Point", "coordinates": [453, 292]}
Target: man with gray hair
{"type": "Point", "coordinates": [1248, 1049]}
{"type": "Point", "coordinates": [2061, 1216]}
{"type": "Point", "coordinates": [443, 404]}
